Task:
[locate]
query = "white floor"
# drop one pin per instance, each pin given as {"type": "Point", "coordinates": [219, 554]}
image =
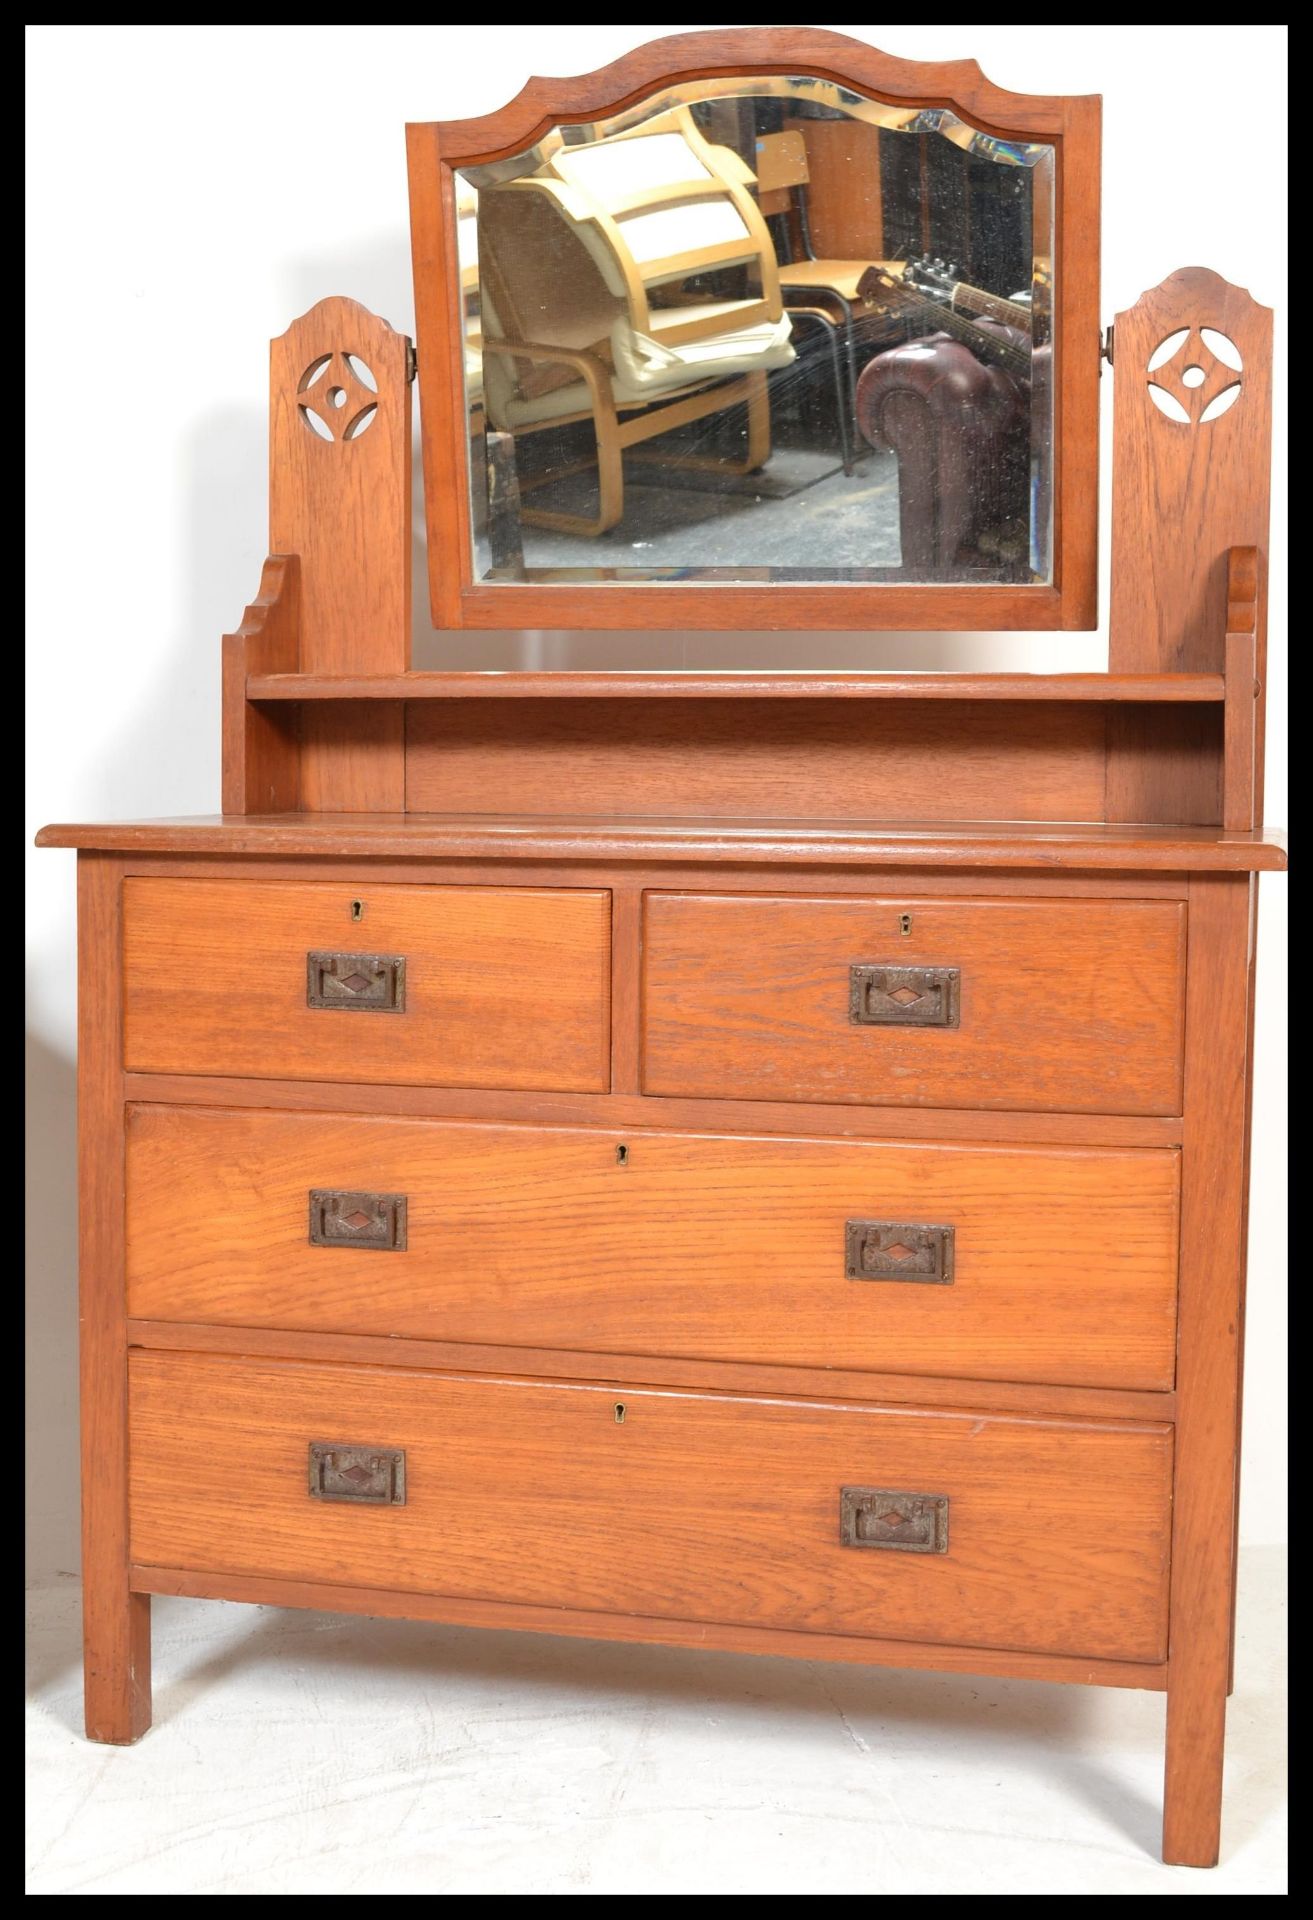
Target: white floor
{"type": "Point", "coordinates": [309, 1753]}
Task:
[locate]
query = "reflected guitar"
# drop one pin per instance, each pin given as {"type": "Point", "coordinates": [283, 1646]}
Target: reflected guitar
{"type": "Point", "coordinates": [939, 281]}
{"type": "Point", "coordinates": [879, 292]}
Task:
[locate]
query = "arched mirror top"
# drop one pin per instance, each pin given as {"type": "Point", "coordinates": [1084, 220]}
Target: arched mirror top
{"type": "Point", "coordinates": [760, 329]}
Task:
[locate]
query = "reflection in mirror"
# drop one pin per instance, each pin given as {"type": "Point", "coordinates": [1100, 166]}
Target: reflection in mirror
{"type": "Point", "coordinates": [763, 329]}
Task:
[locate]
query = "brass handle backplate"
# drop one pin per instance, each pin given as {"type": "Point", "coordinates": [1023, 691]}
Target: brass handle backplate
{"type": "Point", "coordinates": [362, 1476]}
{"type": "Point", "coordinates": [898, 1522]}
{"type": "Point", "coordinates": [903, 996]}
{"type": "Point", "coordinates": [892, 1250]}
{"type": "Point", "coordinates": [356, 982]}
{"type": "Point", "coordinates": [341, 1219]}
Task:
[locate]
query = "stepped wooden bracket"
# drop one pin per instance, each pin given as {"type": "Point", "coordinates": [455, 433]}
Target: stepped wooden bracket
{"type": "Point", "coordinates": [261, 757]}
{"type": "Point", "coordinates": [1244, 688]}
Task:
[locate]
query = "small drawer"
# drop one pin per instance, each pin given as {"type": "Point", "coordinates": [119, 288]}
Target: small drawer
{"type": "Point", "coordinates": [961, 1528]}
{"type": "Point", "coordinates": [421, 986]}
{"type": "Point", "coordinates": [1051, 1264]}
{"type": "Point", "coordinates": [1071, 1006]}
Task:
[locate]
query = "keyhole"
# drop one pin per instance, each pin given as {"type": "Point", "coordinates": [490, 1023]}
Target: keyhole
{"type": "Point", "coordinates": [357, 909]}
{"type": "Point", "coordinates": [904, 924]}
{"type": "Point", "coordinates": [620, 1413]}
{"type": "Point", "coordinates": [622, 1156]}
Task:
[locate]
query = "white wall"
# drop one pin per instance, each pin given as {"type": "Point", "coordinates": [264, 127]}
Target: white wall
{"type": "Point", "coordinates": [192, 189]}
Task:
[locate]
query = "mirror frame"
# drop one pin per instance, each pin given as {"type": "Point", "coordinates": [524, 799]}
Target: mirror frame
{"type": "Point", "coordinates": [1070, 123]}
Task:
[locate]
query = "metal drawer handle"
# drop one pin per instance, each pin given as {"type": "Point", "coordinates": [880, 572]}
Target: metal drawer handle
{"type": "Point", "coordinates": [897, 1522]}
{"type": "Point", "coordinates": [356, 982]}
{"type": "Point", "coordinates": [376, 1220]}
{"type": "Point", "coordinates": [903, 996]}
{"type": "Point", "coordinates": [892, 1250]}
{"type": "Point", "coordinates": [361, 1476]}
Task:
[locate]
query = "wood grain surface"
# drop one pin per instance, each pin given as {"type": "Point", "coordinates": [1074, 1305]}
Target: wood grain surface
{"type": "Point", "coordinates": [1241, 799]}
{"type": "Point", "coordinates": [696, 1635]}
{"type": "Point", "coordinates": [698, 1507]}
{"type": "Point", "coordinates": [504, 987]}
{"type": "Point", "coordinates": [1141, 689]}
{"type": "Point", "coordinates": [342, 504]}
{"type": "Point", "coordinates": [1064, 1265]}
{"type": "Point", "coordinates": [974, 845]}
{"type": "Point", "coordinates": [904, 1125]}
{"type": "Point", "coordinates": [1074, 1005]}
{"type": "Point", "coordinates": [752, 760]}
{"type": "Point", "coordinates": [947, 845]}
{"type": "Point", "coordinates": [115, 1620]}
{"type": "Point", "coordinates": [718, 1376]}
{"type": "Point", "coordinates": [1208, 1414]}
{"type": "Point", "coordinates": [1184, 495]}
{"type": "Point", "coordinates": [261, 744]}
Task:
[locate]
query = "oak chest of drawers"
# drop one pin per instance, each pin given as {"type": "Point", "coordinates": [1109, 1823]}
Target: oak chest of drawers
{"type": "Point", "coordinates": [732, 1433]}
{"type": "Point", "coordinates": [791, 1259]}
{"type": "Point", "coordinates": [672, 1158]}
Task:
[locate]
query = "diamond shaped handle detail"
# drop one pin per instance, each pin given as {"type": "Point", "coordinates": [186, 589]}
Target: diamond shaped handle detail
{"type": "Point", "coordinates": [896, 1522]}
{"type": "Point", "coordinates": [358, 1476]}
{"type": "Point", "coordinates": [375, 1221]}
{"type": "Point", "coordinates": [895, 1250]}
{"type": "Point", "coordinates": [880, 996]}
{"type": "Point", "coordinates": [356, 982]}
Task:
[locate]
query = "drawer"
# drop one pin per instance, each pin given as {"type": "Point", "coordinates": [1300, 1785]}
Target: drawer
{"type": "Point", "coordinates": [1043, 1263]}
{"type": "Point", "coordinates": [1071, 1006]}
{"type": "Point", "coordinates": [423, 986]}
{"type": "Point", "coordinates": [1039, 1534]}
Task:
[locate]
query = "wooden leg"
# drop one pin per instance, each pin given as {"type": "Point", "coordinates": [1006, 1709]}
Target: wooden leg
{"type": "Point", "coordinates": [1207, 1378]}
{"type": "Point", "coordinates": [758, 422]}
{"type": "Point", "coordinates": [116, 1663]}
{"type": "Point", "coordinates": [610, 466]}
{"type": "Point", "coordinates": [115, 1621]}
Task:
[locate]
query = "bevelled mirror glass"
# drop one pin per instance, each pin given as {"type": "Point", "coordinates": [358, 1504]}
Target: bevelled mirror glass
{"type": "Point", "coordinates": [761, 328]}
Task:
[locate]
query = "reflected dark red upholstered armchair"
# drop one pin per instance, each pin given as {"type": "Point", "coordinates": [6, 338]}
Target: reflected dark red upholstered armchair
{"type": "Point", "coordinates": [961, 433]}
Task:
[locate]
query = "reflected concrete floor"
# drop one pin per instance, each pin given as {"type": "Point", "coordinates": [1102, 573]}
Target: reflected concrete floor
{"type": "Point", "coordinates": [310, 1753]}
{"type": "Point", "coordinates": [802, 510]}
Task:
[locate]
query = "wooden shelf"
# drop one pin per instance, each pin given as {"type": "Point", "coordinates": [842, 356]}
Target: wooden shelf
{"type": "Point", "coordinates": [1154, 688]}
{"type": "Point", "coordinates": [1047, 846]}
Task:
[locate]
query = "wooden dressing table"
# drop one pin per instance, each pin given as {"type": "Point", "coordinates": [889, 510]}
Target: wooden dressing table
{"type": "Point", "coordinates": [748, 1161]}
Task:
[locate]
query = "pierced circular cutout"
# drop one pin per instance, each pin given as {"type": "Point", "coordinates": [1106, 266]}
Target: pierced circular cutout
{"type": "Point", "coordinates": [1222, 348]}
{"type": "Point", "coordinates": [1167, 349]}
{"type": "Point", "coordinates": [1220, 404]}
{"type": "Point", "coordinates": [337, 396]}
{"type": "Point", "coordinates": [1192, 376]}
{"type": "Point", "coordinates": [1168, 404]}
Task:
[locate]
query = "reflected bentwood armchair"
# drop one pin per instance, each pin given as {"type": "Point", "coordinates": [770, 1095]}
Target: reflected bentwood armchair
{"type": "Point", "coordinates": [587, 312]}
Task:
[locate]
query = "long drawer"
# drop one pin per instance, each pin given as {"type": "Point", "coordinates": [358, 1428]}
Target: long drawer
{"type": "Point", "coordinates": [1047, 1264]}
{"type": "Point", "coordinates": [442, 986]}
{"type": "Point", "coordinates": [961, 1528]}
{"type": "Point", "coordinates": [1068, 1006]}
